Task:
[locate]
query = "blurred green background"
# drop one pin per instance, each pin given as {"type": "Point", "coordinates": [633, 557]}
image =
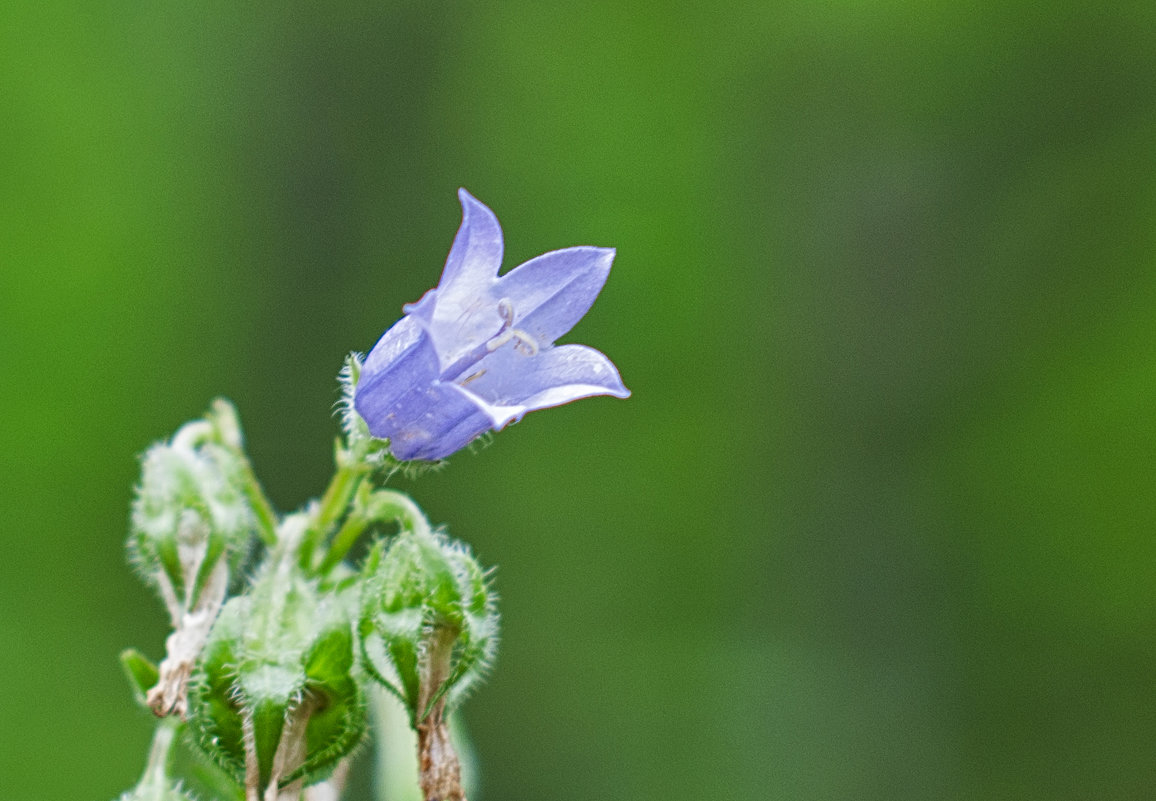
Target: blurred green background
{"type": "Point", "coordinates": [878, 521]}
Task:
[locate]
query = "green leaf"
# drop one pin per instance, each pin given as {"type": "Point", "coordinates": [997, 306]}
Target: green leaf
{"type": "Point", "coordinates": [142, 674]}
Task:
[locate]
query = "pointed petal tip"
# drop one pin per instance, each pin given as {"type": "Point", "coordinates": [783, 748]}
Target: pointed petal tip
{"type": "Point", "coordinates": [476, 254]}
{"type": "Point", "coordinates": [615, 388]}
{"type": "Point", "coordinates": [477, 215]}
{"type": "Point", "coordinates": [599, 261]}
{"type": "Point", "coordinates": [468, 201]}
{"type": "Point", "coordinates": [604, 257]}
{"type": "Point", "coordinates": [607, 256]}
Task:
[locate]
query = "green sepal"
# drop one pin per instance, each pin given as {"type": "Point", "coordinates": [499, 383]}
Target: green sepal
{"type": "Point", "coordinates": [391, 662]}
{"type": "Point", "coordinates": [214, 549]}
{"type": "Point", "coordinates": [338, 721]}
{"type": "Point", "coordinates": [170, 562]}
{"type": "Point", "coordinates": [215, 713]}
{"type": "Point", "coordinates": [269, 691]}
{"type": "Point", "coordinates": [142, 674]}
{"type": "Point", "coordinates": [330, 657]}
{"type": "Point", "coordinates": [203, 778]}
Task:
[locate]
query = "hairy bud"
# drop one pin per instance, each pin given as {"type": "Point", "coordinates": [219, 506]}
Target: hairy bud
{"type": "Point", "coordinates": [274, 699]}
{"type": "Point", "coordinates": [428, 630]}
{"type": "Point", "coordinates": [191, 522]}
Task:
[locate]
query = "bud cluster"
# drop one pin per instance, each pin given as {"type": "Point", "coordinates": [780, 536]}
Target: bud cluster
{"type": "Point", "coordinates": [270, 684]}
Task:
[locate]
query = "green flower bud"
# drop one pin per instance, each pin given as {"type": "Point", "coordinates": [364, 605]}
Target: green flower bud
{"type": "Point", "coordinates": [191, 525]}
{"type": "Point", "coordinates": [190, 510]}
{"type": "Point", "coordinates": [274, 700]}
{"type": "Point", "coordinates": [428, 631]}
{"type": "Point", "coordinates": [422, 590]}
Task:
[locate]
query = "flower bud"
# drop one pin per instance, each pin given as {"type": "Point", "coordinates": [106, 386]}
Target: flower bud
{"type": "Point", "coordinates": [189, 511]}
{"type": "Point", "coordinates": [191, 523]}
{"type": "Point", "coordinates": [274, 701]}
{"type": "Point", "coordinates": [428, 633]}
{"type": "Point", "coordinates": [420, 589]}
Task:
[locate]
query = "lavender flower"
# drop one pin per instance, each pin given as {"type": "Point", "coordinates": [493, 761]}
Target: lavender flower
{"type": "Point", "coordinates": [478, 351]}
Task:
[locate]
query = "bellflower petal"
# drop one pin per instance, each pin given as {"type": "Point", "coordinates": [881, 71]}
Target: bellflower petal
{"type": "Point", "coordinates": [390, 388]}
{"type": "Point", "coordinates": [477, 352]}
{"type": "Point", "coordinates": [514, 383]}
{"type": "Point", "coordinates": [552, 292]}
{"type": "Point", "coordinates": [405, 336]}
{"type": "Point", "coordinates": [457, 314]}
{"type": "Point", "coordinates": [447, 423]}
{"type": "Point", "coordinates": [476, 254]}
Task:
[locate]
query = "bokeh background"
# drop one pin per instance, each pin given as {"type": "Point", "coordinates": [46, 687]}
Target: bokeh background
{"type": "Point", "coordinates": [878, 521]}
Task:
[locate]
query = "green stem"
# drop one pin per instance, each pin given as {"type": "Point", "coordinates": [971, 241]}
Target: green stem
{"type": "Point", "coordinates": [266, 517]}
{"type": "Point", "coordinates": [345, 482]}
{"type": "Point", "coordinates": [337, 494]}
{"type": "Point", "coordinates": [381, 506]}
{"type": "Point", "coordinates": [343, 540]}
{"type": "Point", "coordinates": [391, 505]}
{"type": "Point", "coordinates": [156, 774]}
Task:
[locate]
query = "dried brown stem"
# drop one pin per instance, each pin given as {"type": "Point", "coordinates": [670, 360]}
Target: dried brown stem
{"type": "Point", "coordinates": [439, 772]}
{"type": "Point", "coordinates": [183, 646]}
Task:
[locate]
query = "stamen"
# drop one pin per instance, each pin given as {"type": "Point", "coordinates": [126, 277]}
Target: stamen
{"type": "Point", "coordinates": [473, 377]}
{"type": "Point", "coordinates": [523, 342]}
{"type": "Point", "coordinates": [506, 312]}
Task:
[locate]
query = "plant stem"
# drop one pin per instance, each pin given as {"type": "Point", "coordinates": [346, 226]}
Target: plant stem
{"type": "Point", "coordinates": [266, 517]}
{"type": "Point", "coordinates": [156, 773]}
{"type": "Point", "coordinates": [439, 771]}
{"type": "Point", "coordinates": [382, 506]}
{"type": "Point", "coordinates": [345, 482]}
{"type": "Point", "coordinates": [343, 540]}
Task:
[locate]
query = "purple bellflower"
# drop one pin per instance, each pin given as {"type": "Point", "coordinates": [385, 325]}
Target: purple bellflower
{"type": "Point", "coordinates": [478, 352]}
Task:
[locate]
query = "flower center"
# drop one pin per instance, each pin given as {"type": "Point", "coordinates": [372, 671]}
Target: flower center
{"type": "Point", "coordinates": [523, 342]}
